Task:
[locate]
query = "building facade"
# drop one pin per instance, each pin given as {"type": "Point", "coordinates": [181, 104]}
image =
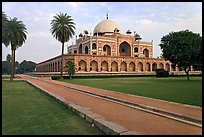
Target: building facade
{"type": "Point", "coordinates": [107, 50]}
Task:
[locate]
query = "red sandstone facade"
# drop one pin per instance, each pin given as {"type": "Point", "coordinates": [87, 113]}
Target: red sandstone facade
{"type": "Point", "coordinates": [108, 51]}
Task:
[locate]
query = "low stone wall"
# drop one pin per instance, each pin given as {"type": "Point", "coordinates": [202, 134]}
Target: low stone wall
{"type": "Point", "coordinates": [49, 74]}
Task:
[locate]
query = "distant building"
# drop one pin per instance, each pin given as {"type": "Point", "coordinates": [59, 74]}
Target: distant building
{"type": "Point", "coordinates": [109, 51]}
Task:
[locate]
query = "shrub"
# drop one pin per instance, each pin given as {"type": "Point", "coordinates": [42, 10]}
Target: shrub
{"type": "Point", "coordinates": [55, 77]}
{"type": "Point", "coordinates": [162, 73]}
{"type": "Point", "coordinates": [65, 77]}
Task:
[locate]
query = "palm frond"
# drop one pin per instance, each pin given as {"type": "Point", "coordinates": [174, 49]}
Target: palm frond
{"type": "Point", "coordinates": [14, 33]}
{"type": "Point", "coordinates": [62, 27]}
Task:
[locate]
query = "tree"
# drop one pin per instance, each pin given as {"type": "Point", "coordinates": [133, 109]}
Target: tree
{"type": "Point", "coordinates": [5, 67]}
{"type": "Point", "coordinates": [14, 34]}
{"type": "Point", "coordinates": [62, 28]}
{"type": "Point", "coordinates": [26, 66]}
{"type": "Point", "coordinates": [4, 20]}
{"type": "Point", "coordinates": [70, 69]}
{"type": "Point", "coordinates": [183, 48]}
{"type": "Point", "coordinates": [4, 17]}
{"type": "Point", "coordinates": [9, 59]}
{"type": "Point", "coordinates": [17, 67]}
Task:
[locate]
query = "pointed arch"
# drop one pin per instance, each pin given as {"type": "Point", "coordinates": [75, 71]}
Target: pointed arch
{"type": "Point", "coordinates": [94, 46]}
{"type": "Point", "coordinates": [125, 49]}
{"type": "Point", "coordinates": [80, 49]}
{"type": "Point", "coordinates": [147, 66]}
{"type": "Point", "coordinates": [104, 66]}
{"type": "Point", "coordinates": [135, 50]}
{"type": "Point", "coordinates": [140, 66]}
{"type": "Point", "coordinates": [86, 50]}
{"type": "Point", "coordinates": [161, 66]}
{"type": "Point", "coordinates": [82, 65]}
{"type": "Point", "coordinates": [154, 66]}
{"type": "Point", "coordinates": [93, 66]}
{"type": "Point", "coordinates": [146, 53]}
{"type": "Point", "coordinates": [114, 66]}
{"type": "Point", "coordinates": [132, 66]}
{"type": "Point", "coordinates": [123, 66]}
{"type": "Point", "coordinates": [167, 67]}
{"type": "Point", "coordinates": [106, 50]}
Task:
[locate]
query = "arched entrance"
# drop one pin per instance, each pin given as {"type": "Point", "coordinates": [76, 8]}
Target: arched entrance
{"type": "Point", "coordinates": [94, 46]}
{"type": "Point", "coordinates": [146, 53]}
{"type": "Point", "coordinates": [106, 50]}
{"type": "Point", "coordinates": [167, 67]}
{"type": "Point", "coordinates": [125, 49]}
{"type": "Point", "coordinates": [135, 50]}
{"type": "Point", "coordinates": [80, 49]}
{"type": "Point", "coordinates": [147, 67]}
{"type": "Point", "coordinates": [86, 50]}
{"type": "Point", "coordinates": [114, 66]}
{"type": "Point", "coordinates": [123, 66]}
{"type": "Point", "coordinates": [154, 66]}
{"type": "Point", "coordinates": [132, 66]}
{"type": "Point", "coordinates": [93, 66]}
{"type": "Point", "coordinates": [140, 66]}
{"type": "Point", "coordinates": [161, 66]}
{"type": "Point", "coordinates": [104, 66]}
{"type": "Point", "coordinates": [82, 66]}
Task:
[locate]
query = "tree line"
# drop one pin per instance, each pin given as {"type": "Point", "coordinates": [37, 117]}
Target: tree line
{"type": "Point", "coordinates": [20, 68]}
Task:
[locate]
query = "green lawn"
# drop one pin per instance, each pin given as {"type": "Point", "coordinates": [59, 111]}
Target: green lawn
{"type": "Point", "coordinates": [4, 77]}
{"type": "Point", "coordinates": [174, 89]}
{"type": "Point", "coordinates": [26, 110]}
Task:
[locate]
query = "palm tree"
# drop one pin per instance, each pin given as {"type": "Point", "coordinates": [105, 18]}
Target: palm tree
{"type": "Point", "coordinates": [4, 17]}
{"type": "Point", "coordinates": [4, 20]}
{"type": "Point", "coordinates": [9, 59]}
{"type": "Point", "coordinates": [70, 69]}
{"type": "Point", "coordinates": [14, 33]}
{"type": "Point", "coordinates": [62, 28]}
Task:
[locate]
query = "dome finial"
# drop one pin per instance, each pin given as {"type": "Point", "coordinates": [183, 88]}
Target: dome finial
{"type": "Point", "coordinates": [107, 15]}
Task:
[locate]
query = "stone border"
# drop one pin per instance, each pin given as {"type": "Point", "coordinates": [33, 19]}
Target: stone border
{"type": "Point", "coordinates": [94, 119]}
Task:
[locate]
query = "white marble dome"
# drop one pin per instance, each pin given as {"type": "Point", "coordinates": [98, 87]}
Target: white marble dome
{"type": "Point", "coordinates": [106, 26]}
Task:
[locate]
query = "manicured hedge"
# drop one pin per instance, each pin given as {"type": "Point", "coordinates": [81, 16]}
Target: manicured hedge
{"type": "Point", "coordinates": [55, 77]}
{"type": "Point", "coordinates": [159, 73]}
{"type": "Point", "coordinates": [162, 73]}
{"type": "Point", "coordinates": [107, 76]}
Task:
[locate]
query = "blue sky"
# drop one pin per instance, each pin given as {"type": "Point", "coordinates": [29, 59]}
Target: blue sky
{"type": "Point", "coordinates": [152, 20]}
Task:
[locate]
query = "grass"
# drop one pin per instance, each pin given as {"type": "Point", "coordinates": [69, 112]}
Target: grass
{"type": "Point", "coordinates": [174, 89]}
{"type": "Point", "coordinates": [27, 111]}
{"type": "Point", "coordinates": [4, 77]}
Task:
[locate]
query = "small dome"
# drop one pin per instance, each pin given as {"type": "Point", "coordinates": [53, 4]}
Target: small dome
{"type": "Point", "coordinates": [80, 35]}
{"type": "Point", "coordinates": [128, 32]}
{"type": "Point", "coordinates": [105, 26]}
{"type": "Point", "coordinates": [137, 35]}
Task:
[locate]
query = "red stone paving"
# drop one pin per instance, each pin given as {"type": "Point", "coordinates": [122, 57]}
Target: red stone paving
{"type": "Point", "coordinates": [132, 119]}
{"type": "Point", "coordinates": [172, 107]}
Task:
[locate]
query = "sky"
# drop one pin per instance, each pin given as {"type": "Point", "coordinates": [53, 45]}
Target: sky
{"type": "Point", "coordinates": [152, 20]}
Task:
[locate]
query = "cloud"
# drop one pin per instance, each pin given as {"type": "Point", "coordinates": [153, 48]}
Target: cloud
{"type": "Point", "coordinates": [145, 22]}
{"type": "Point", "coordinates": [76, 5]}
{"type": "Point", "coordinates": [73, 4]}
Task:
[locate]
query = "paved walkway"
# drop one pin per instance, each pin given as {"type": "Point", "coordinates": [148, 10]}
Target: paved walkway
{"type": "Point", "coordinates": [132, 119]}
